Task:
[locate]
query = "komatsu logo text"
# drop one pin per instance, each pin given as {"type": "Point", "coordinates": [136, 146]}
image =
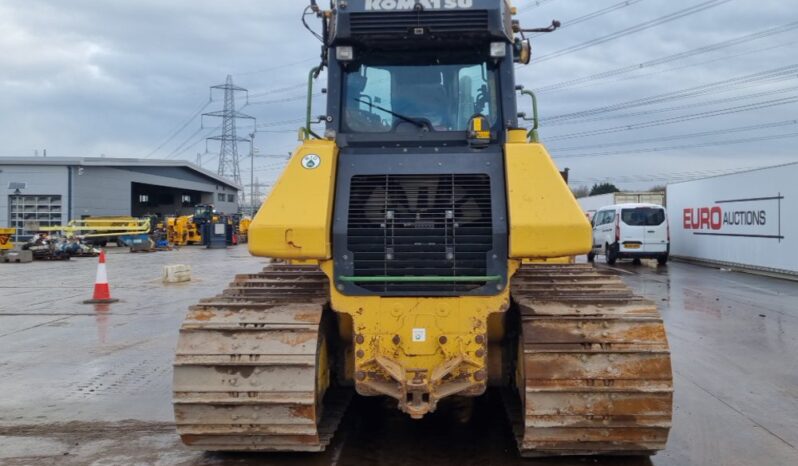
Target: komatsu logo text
{"type": "Point", "coordinates": [401, 5]}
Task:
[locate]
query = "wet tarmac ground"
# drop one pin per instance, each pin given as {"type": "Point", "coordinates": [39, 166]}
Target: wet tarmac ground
{"type": "Point", "coordinates": [90, 385]}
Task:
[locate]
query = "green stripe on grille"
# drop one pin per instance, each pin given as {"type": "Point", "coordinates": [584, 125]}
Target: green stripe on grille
{"type": "Point", "coordinates": [430, 279]}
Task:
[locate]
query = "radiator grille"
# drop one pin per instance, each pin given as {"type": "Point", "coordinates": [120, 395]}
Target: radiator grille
{"type": "Point", "coordinates": [431, 21]}
{"type": "Point", "coordinates": [420, 226]}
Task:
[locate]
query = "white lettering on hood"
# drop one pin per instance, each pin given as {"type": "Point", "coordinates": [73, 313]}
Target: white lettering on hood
{"type": "Point", "coordinates": [404, 5]}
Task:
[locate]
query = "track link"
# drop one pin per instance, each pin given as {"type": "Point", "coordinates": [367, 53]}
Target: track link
{"type": "Point", "coordinates": [246, 372]}
{"type": "Point", "coordinates": [594, 371]}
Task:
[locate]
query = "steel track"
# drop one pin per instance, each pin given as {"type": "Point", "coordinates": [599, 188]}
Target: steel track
{"type": "Point", "coordinates": [594, 376]}
{"type": "Point", "coordinates": [245, 373]}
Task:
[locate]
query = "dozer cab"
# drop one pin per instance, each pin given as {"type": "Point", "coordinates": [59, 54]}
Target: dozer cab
{"type": "Point", "coordinates": [415, 235]}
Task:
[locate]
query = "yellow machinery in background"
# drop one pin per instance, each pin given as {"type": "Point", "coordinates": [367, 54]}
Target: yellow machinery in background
{"type": "Point", "coordinates": [182, 231]}
{"type": "Point", "coordinates": [103, 228]}
{"type": "Point", "coordinates": [5, 238]}
{"type": "Point", "coordinates": [187, 229]}
{"type": "Point", "coordinates": [417, 238]}
{"type": "Point", "coordinates": [243, 229]}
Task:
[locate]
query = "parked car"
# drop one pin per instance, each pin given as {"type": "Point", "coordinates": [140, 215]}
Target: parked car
{"type": "Point", "coordinates": [631, 231]}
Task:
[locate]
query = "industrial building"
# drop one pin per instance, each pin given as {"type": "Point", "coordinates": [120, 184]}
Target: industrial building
{"type": "Point", "coordinates": [50, 191]}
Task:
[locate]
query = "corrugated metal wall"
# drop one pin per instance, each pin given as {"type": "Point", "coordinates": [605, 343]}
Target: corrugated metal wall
{"type": "Point", "coordinates": [102, 191]}
{"type": "Point", "coordinates": [40, 180]}
{"type": "Point", "coordinates": [105, 191]}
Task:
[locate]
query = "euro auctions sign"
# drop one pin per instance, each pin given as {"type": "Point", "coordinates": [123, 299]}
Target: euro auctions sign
{"type": "Point", "coordinates": [747, 219]}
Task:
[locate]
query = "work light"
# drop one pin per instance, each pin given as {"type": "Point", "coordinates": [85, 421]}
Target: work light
{"type": "Point", "coordinates": [498, 50]}
{"type": "Point", "coordinates": [345, 53]}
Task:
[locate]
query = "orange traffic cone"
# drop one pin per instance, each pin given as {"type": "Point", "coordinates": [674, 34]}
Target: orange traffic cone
{"type": "Point", "coordinates": [102, 292]}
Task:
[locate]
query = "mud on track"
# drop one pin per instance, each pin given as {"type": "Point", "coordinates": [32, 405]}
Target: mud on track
{"type": "Point", "coordinates": [92, 386]}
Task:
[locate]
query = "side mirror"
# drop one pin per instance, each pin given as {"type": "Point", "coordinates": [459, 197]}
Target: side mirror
{"type": "Point", "coordinates": [523, 51]}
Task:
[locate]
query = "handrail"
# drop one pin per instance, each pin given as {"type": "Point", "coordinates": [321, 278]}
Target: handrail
{"type": "Point", "coordinates": [305, 133]}
{"type": "Point", "coordinates": [533, 133]}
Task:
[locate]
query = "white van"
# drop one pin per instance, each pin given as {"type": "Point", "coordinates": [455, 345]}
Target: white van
{"type": "Point", "coordinates": [631, 231]}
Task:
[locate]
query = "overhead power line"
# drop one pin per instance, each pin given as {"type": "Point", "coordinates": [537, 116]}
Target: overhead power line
{"type": "Point", "coordinates": [196, 138]}
{"type": "Point", "coordinates": [185, 142]}
{"type": "Point", "coordinates": [279, 67]}
{"type": "Point", "coordinates": [277, 131]}
{"type": "Point", "coordinates": [592, 15]}
{"type": "Point", "coordinates": [731, 58]}
{"type": "Point", "coordinates": [188, 144]}
{"type": "Point", "coordinates": [691, 105]}
{"type": "Point", "coordinates": [253, 95]}
{"type": "Point", "coordinates": [634, 29]}
{"type": "Point", "coordinates": [272, 124]}
{"type": "Point", "coordinates": [661, 177]}
{"type": "Point", "coordinates": [180, 128]}
{"type": "Point", "coordinates": [565, 84]}
{"type": "Point", "coordinates": [284, 99]}
{"type": "Point", "coordinates": [683, 146]}
{"type": "Point", "coordinates": [679, 119]}
{"type": "Point", "coordinates": [534, 4]}
{"type": "Point", "coordinates": [667, 59]}
{"type": "Point", "coordinates": [739, 129]}
{"type": "Point", "coordinates": [781, 73]}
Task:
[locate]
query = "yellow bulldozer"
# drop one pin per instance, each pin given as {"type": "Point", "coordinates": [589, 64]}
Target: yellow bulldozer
{"type": "Point", "coordinates": [410, 237]}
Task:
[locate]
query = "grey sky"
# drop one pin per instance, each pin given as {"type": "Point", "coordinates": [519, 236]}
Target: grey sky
{"type": "Point", "coordinates": [117, 77]}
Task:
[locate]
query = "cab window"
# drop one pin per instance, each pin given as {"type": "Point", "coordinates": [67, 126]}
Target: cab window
{"type": "Point", "coordinates": [441, 96]}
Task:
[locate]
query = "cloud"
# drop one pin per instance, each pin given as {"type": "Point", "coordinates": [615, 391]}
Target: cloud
{"type": "Point", "coordinates": [90, 77]}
